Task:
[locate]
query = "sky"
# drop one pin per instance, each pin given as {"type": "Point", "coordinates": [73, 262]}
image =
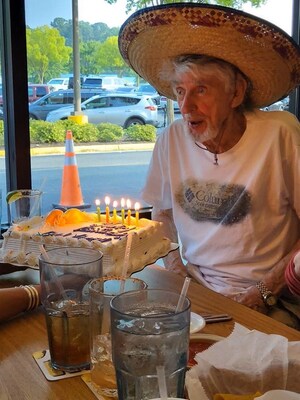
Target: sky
{"type": "Point", "coordinates": [42, 12]}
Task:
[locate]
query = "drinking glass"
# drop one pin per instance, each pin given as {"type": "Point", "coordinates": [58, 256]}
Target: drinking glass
{"type": "Point", "coordinates": [65, 275]}
{"type": "Point", "coordinates": [148, 332]}
{"type": "Point", "coordinates": [27, 205]}
{"type": "Point", "coordinates": [102, 290]}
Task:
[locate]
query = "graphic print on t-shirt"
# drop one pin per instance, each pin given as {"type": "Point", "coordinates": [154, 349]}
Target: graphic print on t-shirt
{"type": "Point", "coordinates": [225, 204]}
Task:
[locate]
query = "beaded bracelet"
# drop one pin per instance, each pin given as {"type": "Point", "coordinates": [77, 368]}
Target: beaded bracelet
{"type": "Point", "coordinates": [34, 298]}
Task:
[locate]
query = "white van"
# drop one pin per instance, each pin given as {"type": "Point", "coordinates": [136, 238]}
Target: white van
{"type": "Point", "coordinates": [111, 82]}
{"type": "Point", "coordinates": [102, 82]}
{"type": "Point", "coordinates": [58, 84]}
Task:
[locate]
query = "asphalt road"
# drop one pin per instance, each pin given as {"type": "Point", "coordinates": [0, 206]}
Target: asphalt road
{"type": "Point", "coordinates": [118, 174]}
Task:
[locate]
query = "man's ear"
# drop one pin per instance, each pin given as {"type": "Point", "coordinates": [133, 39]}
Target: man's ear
{"type": "Point", "coordinates": [240, 91]}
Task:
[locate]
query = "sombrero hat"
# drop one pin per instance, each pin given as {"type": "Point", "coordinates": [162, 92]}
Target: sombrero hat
{"type": "Point", "coordinates": [268, 56]}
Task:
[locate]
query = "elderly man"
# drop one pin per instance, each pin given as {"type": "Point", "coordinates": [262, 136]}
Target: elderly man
{"type": "Point", "coordinates": [226, 177]}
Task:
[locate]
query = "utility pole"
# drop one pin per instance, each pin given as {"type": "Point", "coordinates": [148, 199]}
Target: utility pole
{"type": "Point", "coordinates": [78, 114]}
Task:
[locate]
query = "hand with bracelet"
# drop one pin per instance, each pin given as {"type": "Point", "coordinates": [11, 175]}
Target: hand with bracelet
{"type": "Point", "coordinates": [14, 301]}
{"type": "Point", "coordinates": [258, 297]}
{"type": "Point", "coordinates": [252, 298]}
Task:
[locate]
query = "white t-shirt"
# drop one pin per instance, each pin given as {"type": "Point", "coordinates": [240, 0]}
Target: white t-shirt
{"type": "Point", "coordinates": [235, 220]}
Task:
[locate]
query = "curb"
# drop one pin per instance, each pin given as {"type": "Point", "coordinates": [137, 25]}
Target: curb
{"type": "Point", "coordinates": [97, 148]}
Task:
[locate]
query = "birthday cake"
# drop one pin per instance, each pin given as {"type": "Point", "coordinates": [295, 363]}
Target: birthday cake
{"type": "Point", "coordinates": [74, 228]}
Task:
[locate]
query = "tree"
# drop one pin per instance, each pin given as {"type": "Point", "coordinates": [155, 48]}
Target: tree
{"type": "Point", "coordinates": [64, 27]}
{"type": "Point", "coordinates": [47, 54]}
{"type": "Point", "coordinates": [97, 32]}
{"type": "Point", "coordinates": [101, 31]}
{"type": "Point", "coordinates": [133, 5]}
{"type": "Point", "coordinates": [108, 57]}
{"type": "Point", "coordinates": [88, 57]}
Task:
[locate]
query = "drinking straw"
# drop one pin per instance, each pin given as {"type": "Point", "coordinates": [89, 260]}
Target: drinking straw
{"type": "Point", "coordinates": [183, 293]}
{"type": "Point", "coordinates": [162, 386]}
{"type": "Point", "coordinates": [53, 275]}
{"type": "Point", "coordinates": [126, 261]}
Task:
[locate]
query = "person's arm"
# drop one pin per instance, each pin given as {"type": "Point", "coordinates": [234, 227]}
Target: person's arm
{"type": "Point", "coordinates": [14, 301]}
{"type": "Point", "coordinates": [9, 268]}
{"type": "Point", "coordinates": [292, 274]}
{"type": "Point", "coordinates": [173, 261]}
{"type": "Point", "coordinates": [297, 265]}
{"type": "Point", "coordinates": [274, 280]}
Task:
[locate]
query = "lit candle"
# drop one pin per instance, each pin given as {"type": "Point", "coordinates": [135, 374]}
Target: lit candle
{"type": "Point", "coordinates": [98, 202]}
{"type": "Point", "coordinates": [128, 204]}
{"type": "Point", "coordinates": [115, 205]}
{"type": "Point", "coordinates": [137, 214]}
{"type": "Point", "coordinates": [107, 201]}
{"type": "Point", "coordinates": [122, 210]}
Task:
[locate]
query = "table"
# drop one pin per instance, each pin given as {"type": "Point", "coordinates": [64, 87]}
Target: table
{"type": "Point", "coordinates": [20, 376]}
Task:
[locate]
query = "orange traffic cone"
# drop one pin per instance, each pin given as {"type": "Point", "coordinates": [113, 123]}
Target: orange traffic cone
{"type": "Point", "coordinates": [71, 195]}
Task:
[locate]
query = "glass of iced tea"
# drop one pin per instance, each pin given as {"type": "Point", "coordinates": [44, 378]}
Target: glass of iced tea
{"type": "Point", "coordinates": [102, 290]}
{"type": "Point", "coordinates": [148, 331]}
{"type": "Point", "coordinates": [65, 275]}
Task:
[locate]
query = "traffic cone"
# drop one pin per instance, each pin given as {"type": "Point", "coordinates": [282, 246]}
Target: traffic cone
{"type": "Point", "coordinates": [71, 196]}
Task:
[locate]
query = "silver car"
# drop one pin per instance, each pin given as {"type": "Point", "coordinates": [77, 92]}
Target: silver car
{"type": "Point", "coordinates": [119, 109]}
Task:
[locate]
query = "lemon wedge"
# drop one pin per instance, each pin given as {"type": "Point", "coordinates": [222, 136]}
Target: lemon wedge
{"type": "Point", "coordinates": [13, 196]}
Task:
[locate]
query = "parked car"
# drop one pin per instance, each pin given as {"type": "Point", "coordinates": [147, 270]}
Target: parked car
{"type": "Point", "coordinates": [119, 109]}
{"type": "Point", "coordinates": [163, 103]}
{"type": "Point", "coordinates": [280, 105]}
{"type": "Point", "coordinates": [61, 98]}
{"type": "Point", "coordinates": [147, 89]}
{"type": "Point", "coordinates": [125, 89]}
{"type": "Point", "coordinates": [286, 103]}
{"type": "Point", "coordinates": [71, 81]}
{"type": "Point", "coordinates": [102, 82]}
{"type": "Point", "coordinates": [36, 91]}
{"type": "Point", "coordinates": [58, 83]}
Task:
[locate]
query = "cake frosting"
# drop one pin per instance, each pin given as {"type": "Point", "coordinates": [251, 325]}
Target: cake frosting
{"type": "Point", "coordinates": [74, 228]}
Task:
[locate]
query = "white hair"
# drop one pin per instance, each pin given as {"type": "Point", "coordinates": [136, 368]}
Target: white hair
{"type": "Point", "coordinates": [225, 71]}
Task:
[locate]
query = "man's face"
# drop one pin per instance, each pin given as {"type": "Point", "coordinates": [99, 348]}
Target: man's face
{"type": "Point", "coordinates": [205, 99]}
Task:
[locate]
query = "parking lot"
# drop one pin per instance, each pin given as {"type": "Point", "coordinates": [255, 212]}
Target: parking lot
{"type": "Point", "coordinates": [163, 119]}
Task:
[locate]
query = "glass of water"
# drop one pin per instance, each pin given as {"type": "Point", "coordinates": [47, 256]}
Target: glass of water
{"type": "Point", "coordinates": [27, 204]}
{"type": "Point", "coordinates": [146, 332]}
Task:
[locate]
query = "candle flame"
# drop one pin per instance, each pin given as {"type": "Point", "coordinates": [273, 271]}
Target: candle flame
{"type": "Point", "coordinates": [115, 204]}
{"type": "Point", "coordinates": [97, 202]}
{"type": "Point", "coordinates": [107, 200]}
{"type": "Point", "coordinates": [137, 206]}
{"type": "Point", "coordinates": [128, 203]}
{"type": "Point", "coordinates": [122, 202]}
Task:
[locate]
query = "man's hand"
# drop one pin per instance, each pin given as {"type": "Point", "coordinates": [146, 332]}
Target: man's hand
{"type": "Point", "coordinates": [173, 261]}
{"type": "Point", "coordinates": [252, 299]}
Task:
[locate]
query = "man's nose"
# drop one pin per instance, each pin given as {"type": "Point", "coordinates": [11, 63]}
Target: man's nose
{"type": "Point", "coordinates": [187, 104]}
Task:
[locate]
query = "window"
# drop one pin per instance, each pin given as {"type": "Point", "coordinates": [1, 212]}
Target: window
{"type": "Point", "coordinates": [99, 102]}
{"type": "Point", "coordinates": [122, 101]}
{"type": "Point", "coordinates": [116, 174]}
{"type": "Point", "coordinates": [40, 91]}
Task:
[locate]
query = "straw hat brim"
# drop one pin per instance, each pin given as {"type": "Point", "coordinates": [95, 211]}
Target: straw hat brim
{"type": "Point", "coordinates": [263, 52]}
